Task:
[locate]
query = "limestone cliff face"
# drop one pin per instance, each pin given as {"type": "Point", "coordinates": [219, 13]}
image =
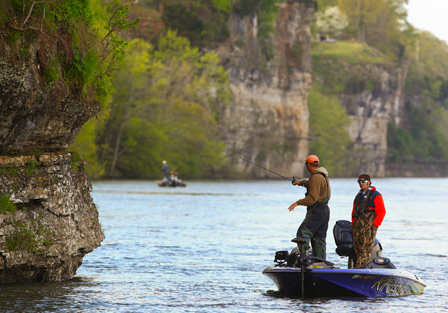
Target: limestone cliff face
{"type": "Point", "coordinates": [56, 222]}
{"type": "Point", "coordinates": [268, 120]}
{"type": "Point", "coordinates": [36, 116]}
{"type": "Point", "coordinates": [371, 110]}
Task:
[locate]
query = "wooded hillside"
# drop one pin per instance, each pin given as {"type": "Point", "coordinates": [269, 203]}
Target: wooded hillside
{"type": "Point", "coordinates": [170, 92]}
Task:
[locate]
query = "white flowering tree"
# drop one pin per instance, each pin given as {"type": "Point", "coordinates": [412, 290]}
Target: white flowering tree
{"type": "Point", "coordinates": [330, 22]}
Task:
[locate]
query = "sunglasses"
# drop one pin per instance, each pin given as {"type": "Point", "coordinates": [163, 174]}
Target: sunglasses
{"type": "Point", "coordinates": [362, 181]}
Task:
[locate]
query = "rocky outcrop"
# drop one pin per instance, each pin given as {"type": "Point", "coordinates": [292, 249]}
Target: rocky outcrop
{"type": "Point", "coordinates": [371, 110]}
{"type": "Point", "coordinates": [54, 222]}
{"type": "Point", "coordinates": [36, 116]}
{"type": "Point", "coordinates": [268, 120]}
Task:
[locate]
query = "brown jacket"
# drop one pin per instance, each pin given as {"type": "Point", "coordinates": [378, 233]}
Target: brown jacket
{"type": "Point", "coordinates": [316, 187]}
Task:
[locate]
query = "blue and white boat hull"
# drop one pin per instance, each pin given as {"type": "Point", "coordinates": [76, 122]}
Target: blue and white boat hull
{"type": "Point", "coordinates": [345, 282]}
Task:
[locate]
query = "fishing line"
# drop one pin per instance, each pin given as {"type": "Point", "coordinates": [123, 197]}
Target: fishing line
{"type": "Point", "coordinates": [240, 157]}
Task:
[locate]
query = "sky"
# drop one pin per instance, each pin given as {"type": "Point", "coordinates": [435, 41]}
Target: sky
{"type": "Point", "coordinates": [430, 15]}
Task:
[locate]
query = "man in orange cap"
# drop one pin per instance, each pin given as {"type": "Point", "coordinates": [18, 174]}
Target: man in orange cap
{"type": "Point", "coordinates": [318, 192]}
{"type": "Point", "coordinates": [367, 215]}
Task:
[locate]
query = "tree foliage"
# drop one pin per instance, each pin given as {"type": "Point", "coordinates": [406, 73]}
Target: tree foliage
{"type": "Point", "coordinates": [203, 22]}
{"type": "Point", "coordinates": [362, 14]}
{"type": "Point", "coordinates": [380, 23]}
{"type": "Point", "coordinates": [169, 96]}
{"type": "Point", "coordinates": [165, 107]}
{"type": "Point", "coordinates": [423, 135]}
{"type": "Point", "coordinates": [390, 32]}
{"type": "Point", "coordinates": [86, 145]}
{"type": "Point", "coordinates": [79, 38]}
{"type": "Point", "coordinates": [328, 122]}
{"type": "Point", "coordinates": [323, 4]}
{"type": "Point", "coordinates": [330, 21]}
{"type": "Point", "coordinates": [426, 140]}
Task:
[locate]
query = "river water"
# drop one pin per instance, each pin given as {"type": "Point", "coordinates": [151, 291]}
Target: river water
{"type": "Point", "coordinates": [202, 249]}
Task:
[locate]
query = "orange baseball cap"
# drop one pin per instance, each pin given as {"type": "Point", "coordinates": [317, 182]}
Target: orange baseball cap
{"type": "Point", "coordinates": [312, 159]}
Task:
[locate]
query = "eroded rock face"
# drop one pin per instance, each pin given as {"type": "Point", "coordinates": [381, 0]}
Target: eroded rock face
{"type": "Point", "coordinates": [36, 116]}
{"type": "Point", "coordinates": [268, 120]}
{"type": "Point", "coordinates": [371, 111]}
{"type": "Point", "coordinates": [56, 222]}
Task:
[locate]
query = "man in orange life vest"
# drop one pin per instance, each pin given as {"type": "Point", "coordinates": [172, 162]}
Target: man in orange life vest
{"type": "Point", "coordinates": [367, 215]}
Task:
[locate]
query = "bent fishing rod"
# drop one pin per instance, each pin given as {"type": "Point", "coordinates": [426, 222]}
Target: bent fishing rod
{"type": "Point", "coordinates": [240, 157]}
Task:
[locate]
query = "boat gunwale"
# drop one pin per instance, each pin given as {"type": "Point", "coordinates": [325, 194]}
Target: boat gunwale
{"type": "Point", "coordinates": [362, 271]}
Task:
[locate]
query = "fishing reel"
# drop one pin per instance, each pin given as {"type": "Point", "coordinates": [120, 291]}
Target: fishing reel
{"type": "Point", "coordinates": [293, 181]}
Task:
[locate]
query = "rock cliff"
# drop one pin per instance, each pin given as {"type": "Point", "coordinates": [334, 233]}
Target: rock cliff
{"type": "Point", "coordinates": [268, 120]}
{"type": "Point", "coordinates": [48, 221]}
{"type": "Point", "coordinates": [54, 223]}
{"type": "Point", "coordinates": [35, 115]}
{"type": "Point", "coordinates": [371, 110]}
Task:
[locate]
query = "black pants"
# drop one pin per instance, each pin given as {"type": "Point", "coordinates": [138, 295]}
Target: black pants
{"type": "Point", "coordinates": [314, 227]}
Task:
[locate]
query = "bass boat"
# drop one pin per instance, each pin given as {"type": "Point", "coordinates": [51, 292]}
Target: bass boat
{"type": "Point", "coordinates": [300, 274]}
{"type": "Point", "coordinates": [162, 183]}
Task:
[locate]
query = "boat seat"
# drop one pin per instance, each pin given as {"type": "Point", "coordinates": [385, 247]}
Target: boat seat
{"type": "Point", "coordinates": [343, 237]}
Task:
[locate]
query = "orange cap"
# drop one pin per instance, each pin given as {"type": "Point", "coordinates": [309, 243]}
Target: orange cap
{"type": "Point", "coordinates": [312, 159]}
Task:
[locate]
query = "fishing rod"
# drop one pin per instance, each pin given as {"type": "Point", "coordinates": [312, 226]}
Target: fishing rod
{"type": "Point", "coordinates": [240, 157]}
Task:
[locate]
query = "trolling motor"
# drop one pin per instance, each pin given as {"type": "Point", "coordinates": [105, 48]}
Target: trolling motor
{"type": "Point", "coordinates": [299, 257]}
{"type": "Point", "coordinates": [303, 253]}
{"type": "Point", "coordinates": [304, 258]}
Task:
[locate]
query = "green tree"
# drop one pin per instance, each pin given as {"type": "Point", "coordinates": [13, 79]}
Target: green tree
{"type": "Point", "coordinates": [362, 14]}
{"type": "Point", "coordinates": [424, 136]}
{"type": "Point", "coordinates": [132, 83]}
{"type": "Point", "coordinates": [390, 32]}
{"type": "Point", "coordinates": [129, 85]}
{"type": "Point", "coordinates": [328, 122]}
{"type": "Point", "coordinates": [322, 4]}
{"type": "Point", "coordinates": [203, 22]}
{"type": "Point", "coordinates": [188, 90]}
{"type": "Point", "coordinates": [166, 106]}
{"type": "Point", "coordinates": [86, 145]}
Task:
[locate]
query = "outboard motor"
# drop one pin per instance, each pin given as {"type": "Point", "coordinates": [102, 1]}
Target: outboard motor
{"type": "Point", "coordinates": [343, 237]}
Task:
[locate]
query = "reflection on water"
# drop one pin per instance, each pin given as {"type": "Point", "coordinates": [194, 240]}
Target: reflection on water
{"type": "Point", "coordinates": [202, 249]}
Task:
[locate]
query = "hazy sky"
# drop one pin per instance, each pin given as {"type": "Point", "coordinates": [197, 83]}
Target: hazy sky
{"type": "Point", "coordinates": [430, 15]}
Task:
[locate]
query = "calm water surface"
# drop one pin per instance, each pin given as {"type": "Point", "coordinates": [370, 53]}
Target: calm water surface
{"type": "Point", "coordinates": [202, 249]}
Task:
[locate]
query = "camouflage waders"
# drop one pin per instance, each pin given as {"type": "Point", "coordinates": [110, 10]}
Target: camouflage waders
{"type": "Point", "coordinates": [364, 233]}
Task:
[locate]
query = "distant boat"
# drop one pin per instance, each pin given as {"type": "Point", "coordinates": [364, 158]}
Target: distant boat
{"type": "Point", "coordinates": [300, 274]}
{"type": "Point", "coordinates": [167, 183]}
